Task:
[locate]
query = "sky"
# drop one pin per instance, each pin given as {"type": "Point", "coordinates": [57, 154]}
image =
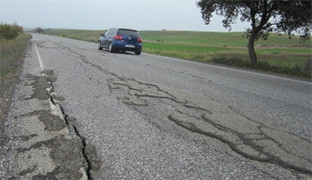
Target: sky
{"type": "Point", "coordinates": [104, 14]}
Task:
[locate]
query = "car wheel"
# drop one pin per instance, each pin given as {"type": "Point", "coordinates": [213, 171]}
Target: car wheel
{"type": "Point", "coordinates": [110, 47]}
{"type": "Point", "coordinates": [99, 46]}
{"type": "Point", "coordinates": [138, 52]}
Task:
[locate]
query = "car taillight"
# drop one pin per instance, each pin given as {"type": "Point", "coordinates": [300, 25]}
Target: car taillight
{"type": "Point", "coordinates": [139, 40]}
{"type": "Point", "coordinates": [118, 37]}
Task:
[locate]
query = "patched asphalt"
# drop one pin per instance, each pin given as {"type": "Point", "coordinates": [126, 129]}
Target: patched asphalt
{"type": "Point", "coordinates": [95, 115]}
{"type": "Point", "coordinates": [40, 142]}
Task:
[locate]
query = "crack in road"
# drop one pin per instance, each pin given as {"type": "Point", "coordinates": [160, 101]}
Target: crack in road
{"type": "Point", "coordinates": [39, 138]}
{"type": "Point", "coordinates": [245, 136]}
{"type": "Point", "coordinates": [205, 80]}
{"type": "Point", "coordinates": [88, 152]}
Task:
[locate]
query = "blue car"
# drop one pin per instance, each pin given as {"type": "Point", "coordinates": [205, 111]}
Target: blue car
{"type": "Point", "coordinates": [117, 39]}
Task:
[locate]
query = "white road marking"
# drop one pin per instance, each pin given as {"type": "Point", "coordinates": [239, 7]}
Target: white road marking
{"type": "Point", "coordinates": [238, 70]}
{"type": "Point", "coordinates": [39, 58]}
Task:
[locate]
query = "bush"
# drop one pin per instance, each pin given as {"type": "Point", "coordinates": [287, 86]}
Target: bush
{"type": "Point", "coordinates": [11, 52]}
{"type": "Point", "coordinates": [39, 30]}
{"type": "Point", "coordinates": [307, 68]}
{"type": "Point", "coordinates": [9, 32]}
{"type": "Point", "coordinates": [304, 71]}
{"type": "Point", "coordinates": [264, 65]}
{"type": "Point", "coordinates": [235, 61]}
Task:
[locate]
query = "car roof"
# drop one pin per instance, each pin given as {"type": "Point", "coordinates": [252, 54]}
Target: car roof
{"type": "Point", "coordinates": [124, 29]}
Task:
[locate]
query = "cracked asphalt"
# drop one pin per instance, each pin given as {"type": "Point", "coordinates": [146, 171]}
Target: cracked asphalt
{"type": "Point", "coordinates": [151, 117]}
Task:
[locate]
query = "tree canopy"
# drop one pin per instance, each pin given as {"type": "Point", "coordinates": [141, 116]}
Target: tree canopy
{"type": "Point", "coordinates": [265, 16]}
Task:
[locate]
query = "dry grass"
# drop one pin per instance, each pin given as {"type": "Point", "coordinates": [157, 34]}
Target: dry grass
{"type": "Point", "coordinates": [11, 52]}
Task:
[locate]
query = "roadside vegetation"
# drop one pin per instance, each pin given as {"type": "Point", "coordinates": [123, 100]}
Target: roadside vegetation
{"type": "Point", "coordinates": [277, 54]}
{"type": "Point", "coordinates": [265, 17]}
{"type": "Point", "coordinates": [13, 43]}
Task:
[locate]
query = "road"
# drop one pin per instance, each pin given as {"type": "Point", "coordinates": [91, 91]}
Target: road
{"type": "Point", "coordinates": [153, 117]}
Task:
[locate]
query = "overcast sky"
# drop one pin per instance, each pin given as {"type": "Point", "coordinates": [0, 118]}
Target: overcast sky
{"type": "Point", "coordinates": [103, 14]}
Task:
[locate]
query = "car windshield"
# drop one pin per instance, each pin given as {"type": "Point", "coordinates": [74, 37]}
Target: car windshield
{"type": "Point", "coordinates": [125, 32]}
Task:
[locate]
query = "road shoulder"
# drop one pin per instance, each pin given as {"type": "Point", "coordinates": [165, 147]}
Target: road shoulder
{"type": "Point", "coordinates": [39, 142]}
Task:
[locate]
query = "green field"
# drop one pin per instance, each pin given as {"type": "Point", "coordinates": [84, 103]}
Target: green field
{"type": "Point", "coordinates": [284, 54]}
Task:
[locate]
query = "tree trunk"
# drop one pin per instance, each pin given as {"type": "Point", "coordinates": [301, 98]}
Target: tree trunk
{"type": "Point", "coordinates": [251, 49]}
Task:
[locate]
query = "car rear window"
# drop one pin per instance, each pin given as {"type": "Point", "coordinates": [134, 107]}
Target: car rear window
{"type": "Point", "coordinates": [125, 32]}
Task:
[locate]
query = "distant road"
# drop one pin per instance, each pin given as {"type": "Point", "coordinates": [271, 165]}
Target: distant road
{"type": "Point", "coordinates": [153, 117]}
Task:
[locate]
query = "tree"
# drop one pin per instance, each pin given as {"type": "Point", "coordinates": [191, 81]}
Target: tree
{"type": "Point", "coordinates": [39, 30]}
{"type": "Point", "coordinates": [265, 16]}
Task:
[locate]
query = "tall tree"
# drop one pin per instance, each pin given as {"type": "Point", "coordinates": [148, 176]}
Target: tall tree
{"type": "Point", "coordinates": [265, 16]}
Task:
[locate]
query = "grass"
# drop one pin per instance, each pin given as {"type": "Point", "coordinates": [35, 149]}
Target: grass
{"type": "Point", "coordinates": [11, 52]}
{"type": "Point", "coordinates": [13, 43]}
{"type": "Point", "coordinates": [278, 52]}
{"type": "Point", "coordinates": [85, 35]}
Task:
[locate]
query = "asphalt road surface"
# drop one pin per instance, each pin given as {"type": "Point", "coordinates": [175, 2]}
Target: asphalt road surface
{"type": "Point", "coordinates": [153, 117]}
